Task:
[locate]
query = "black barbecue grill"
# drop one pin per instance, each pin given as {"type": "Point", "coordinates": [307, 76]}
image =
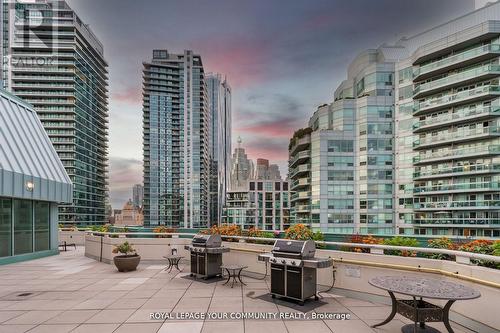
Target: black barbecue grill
{"type": "Point", "coordinates": [293, 269]}
{"type": "Point", "coordinates": [206, 255]}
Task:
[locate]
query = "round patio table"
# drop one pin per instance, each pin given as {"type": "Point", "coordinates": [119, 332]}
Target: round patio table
{"type": "Point", "coordinates": [173, 261]}
{"type": "Point", "coordinates": [418, 310]}
{"type": "Point", "coordinates": [233, 271]}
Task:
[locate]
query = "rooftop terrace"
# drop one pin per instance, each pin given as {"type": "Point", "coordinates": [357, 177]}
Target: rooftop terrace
{"type": "Point", "coordinates": [72, 293]}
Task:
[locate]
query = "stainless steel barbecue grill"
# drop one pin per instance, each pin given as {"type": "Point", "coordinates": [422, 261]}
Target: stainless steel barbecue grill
{"type": "Point", "coordinates": [293, 269]}
{"type": "Point", "coordinates": [206, 255]}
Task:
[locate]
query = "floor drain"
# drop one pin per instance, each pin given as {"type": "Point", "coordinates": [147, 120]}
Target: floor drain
{"type": "Point", "coordinates": [25, 294]}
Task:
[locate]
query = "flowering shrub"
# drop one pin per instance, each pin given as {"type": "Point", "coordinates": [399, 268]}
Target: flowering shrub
{"type": "Point", "coordinates": [302, 232]}
{"type": "Point", "coordinates": [482, 246]}
{"type": "Point", "coordinates": [225, 230]}
{"type": "Point", "coordinates": [441, 243]}
{"type": "Point", "coordinates": [163, 229]}
{"type": "Point", "coordinates": [363, 240]}
{"type": "Point", "coordinates": [299, 232]}
{"type": "Point", "coordinates": [256, 232]}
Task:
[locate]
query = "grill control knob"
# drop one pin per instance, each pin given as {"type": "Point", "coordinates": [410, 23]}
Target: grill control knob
{"type": "Point", "coordinates": [293, 263]}
{"type": "Point", "coordinates": [283, 261]}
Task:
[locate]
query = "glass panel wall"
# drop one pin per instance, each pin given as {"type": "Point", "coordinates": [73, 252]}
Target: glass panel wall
{"type": "Point", "coordinates": [42, 225]}
{"type": "Point", "coordinates": [5, 227]}
{"type": "Point", "coordinates": [23, 226]}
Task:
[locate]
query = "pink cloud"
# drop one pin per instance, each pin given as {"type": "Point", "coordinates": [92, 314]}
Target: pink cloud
{"type": "Point", "coordinates": [128, 95]}
{"type": "Point", "coordinates": [271, 153]}
{"type": "Point", "coordinates": [243, 60]}
{"type": "Point", "coordinates": [272, 129]}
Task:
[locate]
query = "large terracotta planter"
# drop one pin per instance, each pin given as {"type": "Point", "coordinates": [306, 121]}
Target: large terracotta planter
{"type": "Point", "coordinates": [127, 263]}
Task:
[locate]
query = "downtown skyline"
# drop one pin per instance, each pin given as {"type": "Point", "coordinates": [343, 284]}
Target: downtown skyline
{"type": "Point", "coordinates": [261, 56]}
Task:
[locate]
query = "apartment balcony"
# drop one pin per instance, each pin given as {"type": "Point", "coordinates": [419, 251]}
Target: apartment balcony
{"type": "Point", "coordinates": [455, 154]}
{"type": "Point", "coordinates": [457, 188]}
{"type": "Point", "coordinates": [457, 171]}
{"type": "Point", "coordinates": [461, 59]}
{"type": "Point", "coordinates": [456, 137]}
{"type": "Point", "coordinates": [300, 170]}
{"type": "Point", "coordinates": [299, 183]}
{"type": "Point", "coordinates": [302, 208]}
{"type": "Point", "coordinates": [303, 195]}
{"type": "Point", "coordinates": [452, 81]}
{"type": "Point", "coordinates": [458, 205]}
{"type": "Point", "coordinates": [450, 100]}
{"type": "Point", "coordinates": [43, 69]}
{"type": "Point", "coordinates": [300, 157]}
{"type": "Point", "coordinates": [300, 144]}
{"type": "Point", "coordinates": [456, 118]}
{"type": "Point", "coordinates": [456, 222]}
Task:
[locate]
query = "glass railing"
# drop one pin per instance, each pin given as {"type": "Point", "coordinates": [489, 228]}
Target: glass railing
{"type": "Point", "coordinates": [456, 58]}
{"type": "Point", "coordinates": [457, 169]}
{"type": "Point", "coordinates": [468, 74]}
{"type": "Point", "coordinates": [300, 155]}
{"type": "Point", "coordinates": [458, 115]}
{"type": "Point", "coordinates": [43, 69]}
{"type": "Point", "coordinates": [443, 137]}
{"type": "Point", "coordinates": [302, 208]}
{"type": "Point", "coordinates": [300, 168]}
{"type": "Point", "coordinates": [457, 97]}
{"type": "Point", "coordinates": [461, 221]}
{"type": "Point", "coordinates": [457, 204]}
{"type": "Point", "coordinates": [300, 182]}
{"type": "Point", "coordinates": [456, 187]}
{"type": "Point", "coordinates": [490, 149]}
{"type": "Point", "coordinates": [301, 195]}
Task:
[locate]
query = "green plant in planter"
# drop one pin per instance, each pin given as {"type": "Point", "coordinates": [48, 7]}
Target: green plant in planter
{"type": "Point", "coordinates": [401, 241]}
{"type": "Point", "coordinates": [441, 243]}
{"type": "Point", "coordinates": [299, 232]}
{"type": "Point", "coordinates": [496, 248]}
{"type": "Point", "coordinates": [128, 259]}
{"type": "Point", "coordinates": [125, 249]}
{"type": "Point", "coordinates": [319, 237]}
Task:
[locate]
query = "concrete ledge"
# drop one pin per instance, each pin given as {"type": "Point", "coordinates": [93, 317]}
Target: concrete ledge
{"type": "Point", "coordinates": [27, 256]}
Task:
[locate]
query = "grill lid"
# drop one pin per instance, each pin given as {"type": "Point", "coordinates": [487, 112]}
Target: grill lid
{"type": "Point", "coordinates": [200, 240]}
{"type": "Point", "coordinates": [287, 247]}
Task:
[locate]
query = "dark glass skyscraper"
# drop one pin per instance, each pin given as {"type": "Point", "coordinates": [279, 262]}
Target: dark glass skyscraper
{"type": "Point", "coordinates": [219, 97]}
{"type": "Point", "coordinates": [176, 140]}
{"type": "Point", "coordinates": [54, 61]}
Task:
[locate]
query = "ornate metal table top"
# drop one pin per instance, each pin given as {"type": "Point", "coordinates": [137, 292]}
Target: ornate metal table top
{"type": "Point", "coordinates": [424, 287]}
{"type": "Point", "coordinates": [233, 267]}
{"type": "Point", "coordinates": [173, 256]}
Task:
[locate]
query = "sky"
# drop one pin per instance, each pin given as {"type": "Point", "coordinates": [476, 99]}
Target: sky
{"type": "Point", "coordinates": [281, 58]}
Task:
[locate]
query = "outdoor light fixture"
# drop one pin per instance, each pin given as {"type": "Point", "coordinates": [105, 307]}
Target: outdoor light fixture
{"type": "Point", "coordinates": [30, 186]}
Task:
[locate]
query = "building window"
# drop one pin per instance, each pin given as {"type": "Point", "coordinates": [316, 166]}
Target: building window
{"type": "Point", "coordinates": [23, 227]}
{"type": "Point", "coordinates": [277, 186]}
{"type": "Point", "coordinates": [259, 186]}
{"type": "Point", "coordinates": [42, 226]}
{"type": "Point", "coordinates": [252, 186]}
{"type": "Point", "coordinates": [5, 227]}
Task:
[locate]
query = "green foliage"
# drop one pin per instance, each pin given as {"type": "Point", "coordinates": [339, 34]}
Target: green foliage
{"type": "Point", "coordinates": [299, 232]}
{"type": "Point", "coordinates": [319, 237]}
{"type": "Point", "coordinates": [299, 134]}
{"type": "Point", "coordinates": [302, 232]}
{"type": "Point", "coordinates": [101, 228]}
{"type": "Point", "coordinates": [496, 249]}
{"type": "Point", "coordinates": [441, 243]}
{"type": "Point", "coordinates": [124, 248]}
{"type": "Point", "coordinates": [401, 241]}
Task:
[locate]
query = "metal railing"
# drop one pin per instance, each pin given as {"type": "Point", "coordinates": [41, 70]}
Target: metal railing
{"type": "Point", "coordinates": [374, 248]}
